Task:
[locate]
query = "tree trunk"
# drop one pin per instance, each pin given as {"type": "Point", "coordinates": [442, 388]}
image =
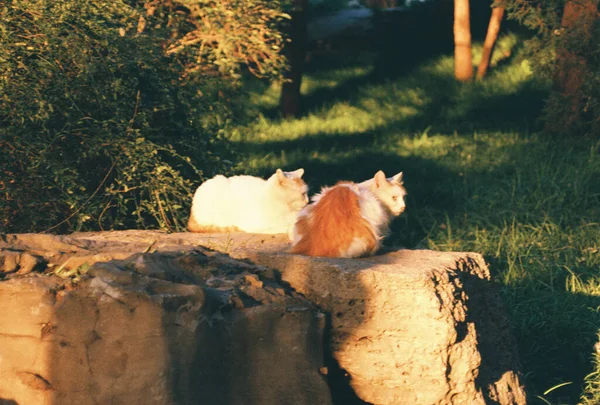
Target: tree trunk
{"type": "Point", "coordinates": [289, 102]}
{"type": "Point", "coordinates": [463, 65]}
{"type": "Point", "coordinates": [490, 41]}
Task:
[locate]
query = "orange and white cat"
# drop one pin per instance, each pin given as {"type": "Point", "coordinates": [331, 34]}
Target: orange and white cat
{"type": "Point", "coordinates": [248, 203]}
{"type": "Point", "coordinates": [349, 219]}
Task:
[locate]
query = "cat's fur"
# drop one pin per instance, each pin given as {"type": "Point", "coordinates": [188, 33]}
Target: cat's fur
{"type": "Point", "coordinates": [349, 219]}
{"type": "Point", "coordinates": [249, 204]}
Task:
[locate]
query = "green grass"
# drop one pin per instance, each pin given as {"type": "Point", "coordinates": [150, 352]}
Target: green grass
{"type": "Point", "coordinates": [479, 178]}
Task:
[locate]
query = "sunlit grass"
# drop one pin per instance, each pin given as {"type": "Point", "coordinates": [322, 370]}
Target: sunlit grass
{"type": "Point", "coordinates": [479, 179]}
{"type": "Point", "coordinates": [592, 381]}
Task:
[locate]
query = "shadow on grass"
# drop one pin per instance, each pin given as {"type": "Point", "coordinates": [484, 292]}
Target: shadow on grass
{"type": "Point", "coordinates": [557, 332]}
{"type": "Point", "coordinates": [479, 109]}
{"type": "Point", "coordinates": [400, 42]}
{"type": "Point", "coordinates": [426, 101]}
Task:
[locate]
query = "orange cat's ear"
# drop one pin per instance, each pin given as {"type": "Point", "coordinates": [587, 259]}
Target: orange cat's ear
{"type": "Point", "coordinates": [397, 178]}
{"type": "Point", "coordinates": [379, 178]}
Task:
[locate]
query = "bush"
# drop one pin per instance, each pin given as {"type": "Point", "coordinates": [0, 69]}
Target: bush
{"type": "Point", "coordinates": [98, 129]}
{"type": "Point", "coordinates": [223, 35]}
{"type": "Point", "coordinates": [566, 50]}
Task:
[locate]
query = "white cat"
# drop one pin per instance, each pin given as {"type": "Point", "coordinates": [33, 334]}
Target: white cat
{"type": "Point", "coordinates": [349, 219]}
{"type": "Point", "coordinates": [249, 204]}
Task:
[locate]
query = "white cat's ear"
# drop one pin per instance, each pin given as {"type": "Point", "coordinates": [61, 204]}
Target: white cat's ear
{"type": "Point", "coordinates": [280, 175]}
{"type": "Point", "coordinates": [397, 178]}
{"type": "Point", "coordinates": [379, 178]}
{"type": "Point", "coordinates": [296, 173]}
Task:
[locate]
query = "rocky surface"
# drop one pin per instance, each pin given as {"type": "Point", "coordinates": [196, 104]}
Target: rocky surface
{"type": "Point", "coordinates": [132, 323]}
{"type": "Point", "coordinates": [406, 327]}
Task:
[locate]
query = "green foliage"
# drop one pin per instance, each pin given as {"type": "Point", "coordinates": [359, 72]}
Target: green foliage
{"type": "Point", "coordinates": [98, 130]}
{"type": "Point", "coordinates": [229, 34]}
{"type": "Point", "coordinates": [558, 49]}
{"type": "Point", "coordinates": [584, 62]}
{"type": "Point", "coordinates": [111, 112]}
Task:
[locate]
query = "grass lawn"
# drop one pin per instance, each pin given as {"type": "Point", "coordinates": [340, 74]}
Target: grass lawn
{"type": "Point", "coordinates": [479, 178]}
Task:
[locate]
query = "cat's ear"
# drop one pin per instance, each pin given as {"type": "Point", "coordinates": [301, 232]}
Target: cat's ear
{"type": "Point", "coordinates": [296, 173]}
{"type": "Point", "coordinates": [280, 175]}
{"type": "Point", "coordinates": [397, 178]}
{"type": "Point", "coordinates": [379, 178]}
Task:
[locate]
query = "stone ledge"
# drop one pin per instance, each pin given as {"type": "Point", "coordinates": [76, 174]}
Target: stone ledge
{"type": "Point", "coordinates": [409, 327]}
{"type": "Point", "coordinates": [152, 326]}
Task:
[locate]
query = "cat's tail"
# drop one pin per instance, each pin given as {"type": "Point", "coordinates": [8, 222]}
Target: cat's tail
{"type": "Point", "coordinates": [334, 226]}
{"type": "Point", "coordinates": [194, 226]}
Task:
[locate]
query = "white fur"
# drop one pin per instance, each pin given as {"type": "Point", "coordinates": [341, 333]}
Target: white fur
{"type": "Point", "coordinates": [356, 248]}
{"type": "Point", "coordinates": [293, 233]}
{"type": "Point", "coordinates": [249, 203]}
{"type": "Point", "coordinates": [382, 200]}
{"type": "Point", "coordinates": [373, 211]}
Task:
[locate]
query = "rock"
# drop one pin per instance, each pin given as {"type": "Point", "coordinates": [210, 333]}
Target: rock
{"type": "Point", "coordinates": [19, 263]}
{"type": "Point", "coordinates": [149, 329]}
{"type": "Point", "coordinates": [406, 327]}
{"type": "Point", "coordinates": [409, 327]}
{"type": "Point", "coordinates": [45, 242]}
{"type": "Point", "coordinates": [412, 327]}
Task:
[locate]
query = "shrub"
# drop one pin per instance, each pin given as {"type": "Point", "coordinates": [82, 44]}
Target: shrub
{"type": "Point", "coordinates": [228, 34]}
{"type": "Point", "coordinates": [98, 130]}
{"type": "Point", "coordinates": [565, 49]}
{"type": "Point", "coordinates": [112, 111]}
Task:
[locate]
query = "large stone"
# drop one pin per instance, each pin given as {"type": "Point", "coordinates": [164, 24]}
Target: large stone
{"type": "Point", "coordinates": [409, 327]}
{"type": "Point", "coordinates": [151, 325]}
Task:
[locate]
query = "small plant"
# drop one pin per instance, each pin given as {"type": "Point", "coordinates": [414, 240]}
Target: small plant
{"type": "Point", "coordinates": [591, 394]}
{"type": "Point", "coordinates": [74, 273]}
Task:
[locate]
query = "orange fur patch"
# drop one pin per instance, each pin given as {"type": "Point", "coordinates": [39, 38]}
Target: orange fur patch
{"type": "Point", "coordinates": [194, 226]}
{"type": "Point", "coordinates": [299, 182]}
{"type": "Point", "coordinates": [333, 224]}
